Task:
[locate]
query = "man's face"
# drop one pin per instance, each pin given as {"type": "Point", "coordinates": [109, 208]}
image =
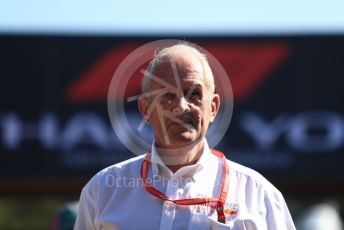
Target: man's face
{"type": "Point", "coordinates": [183, 106]}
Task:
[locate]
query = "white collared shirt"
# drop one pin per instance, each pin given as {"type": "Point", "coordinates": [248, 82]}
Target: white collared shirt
{"type": "Point", "coordinates": [115, 198]}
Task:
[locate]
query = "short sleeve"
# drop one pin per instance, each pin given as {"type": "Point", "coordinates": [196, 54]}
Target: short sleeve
{"type": "Point", "coordinates": [278, 216]}
{"type": "Point", "coordinates": [85, 214]}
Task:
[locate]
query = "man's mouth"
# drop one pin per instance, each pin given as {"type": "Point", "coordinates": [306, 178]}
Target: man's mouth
{"type": "Point", "coordinates": [185, 120]}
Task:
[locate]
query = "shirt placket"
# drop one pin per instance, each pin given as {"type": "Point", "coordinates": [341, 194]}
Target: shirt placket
{"type": "Point", "coordinates": [169, 208]}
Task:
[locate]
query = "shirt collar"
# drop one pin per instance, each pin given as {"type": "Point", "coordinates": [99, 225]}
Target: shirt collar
{"type": "Point", "coordinates": [194, 171]}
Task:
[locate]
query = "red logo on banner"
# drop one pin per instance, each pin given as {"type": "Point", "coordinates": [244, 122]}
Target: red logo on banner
{"type": "Point", "coordinates": [248, 64]}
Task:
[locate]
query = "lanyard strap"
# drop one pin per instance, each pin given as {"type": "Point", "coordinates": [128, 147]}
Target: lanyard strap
{"type": "Point", "coordinates": [216, 203]}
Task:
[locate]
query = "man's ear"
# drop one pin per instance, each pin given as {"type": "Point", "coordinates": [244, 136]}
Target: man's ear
{"type": "Point", "coordinates": [143, 108]}
{"type": "Point", "coordinates": [215, 106]}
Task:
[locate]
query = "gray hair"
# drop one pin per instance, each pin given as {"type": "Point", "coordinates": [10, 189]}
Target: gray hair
{"type": "Point", "coordinates": [165, 53]}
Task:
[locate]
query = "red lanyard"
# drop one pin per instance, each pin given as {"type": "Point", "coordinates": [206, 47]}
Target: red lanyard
{"type": "Point", "coordinates": [216, 203]}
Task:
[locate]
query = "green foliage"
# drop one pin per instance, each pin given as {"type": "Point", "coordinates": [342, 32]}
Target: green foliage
{"type": "Point", "coordinates": [28, 213]}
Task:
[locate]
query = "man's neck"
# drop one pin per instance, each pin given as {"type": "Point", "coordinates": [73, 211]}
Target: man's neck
{"type": "Point", "coordinates": [177, 158]}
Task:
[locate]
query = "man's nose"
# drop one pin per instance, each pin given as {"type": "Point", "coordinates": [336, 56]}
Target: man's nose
{"type": "Point", "coordinates": [182, 105]}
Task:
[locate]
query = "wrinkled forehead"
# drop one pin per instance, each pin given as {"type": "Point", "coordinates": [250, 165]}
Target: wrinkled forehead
{"type": "Point", "coordinates": [182, 67]}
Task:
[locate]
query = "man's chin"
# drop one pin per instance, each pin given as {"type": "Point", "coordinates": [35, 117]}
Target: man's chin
{"type": "Point", "coordinates": [183, 139]}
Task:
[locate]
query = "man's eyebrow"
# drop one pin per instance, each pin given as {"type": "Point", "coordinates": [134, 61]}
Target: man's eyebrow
{"type": "Point", "coordinates": [196, 85]}
{"type": "Point", "coordinates": [189, 90]}
{"type": "Point", "coordinates": [193, 85]}
{"type": "Point", "coordinates": [192, 71]}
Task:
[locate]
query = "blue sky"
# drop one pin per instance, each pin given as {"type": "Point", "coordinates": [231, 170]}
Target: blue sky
{"type": "Point", "coordinates": [167, 17]}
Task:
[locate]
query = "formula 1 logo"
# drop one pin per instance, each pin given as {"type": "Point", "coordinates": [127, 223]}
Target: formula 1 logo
{"type": "Point", "coordinates": [247, 64]}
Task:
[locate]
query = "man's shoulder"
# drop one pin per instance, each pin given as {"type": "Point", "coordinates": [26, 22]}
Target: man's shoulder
{"type": "Point", "coordinates": [244, 170]}
{"type": "Point", "coordinates": [125, 169]}
{"type": "Point", "coordinates": [132, 162]}
{"type": "Point", "coordinates": [250, 177]}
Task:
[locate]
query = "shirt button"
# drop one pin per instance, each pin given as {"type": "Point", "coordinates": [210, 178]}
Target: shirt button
{"type": "Point", "coordinates": [169, 204]}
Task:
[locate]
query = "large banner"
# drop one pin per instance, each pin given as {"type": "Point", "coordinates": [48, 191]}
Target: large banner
{"type": "Point", "coordinates": [287, 121]}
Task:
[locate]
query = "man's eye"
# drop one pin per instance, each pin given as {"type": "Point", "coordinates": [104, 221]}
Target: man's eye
{"type": "Point", "coordinates": [169, 95]}
{"type": "Point", "coordinates": [195, 94]}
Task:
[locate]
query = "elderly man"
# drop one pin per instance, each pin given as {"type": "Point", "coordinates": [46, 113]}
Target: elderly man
{"type": "Point", "coordinates": [180, 183]}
